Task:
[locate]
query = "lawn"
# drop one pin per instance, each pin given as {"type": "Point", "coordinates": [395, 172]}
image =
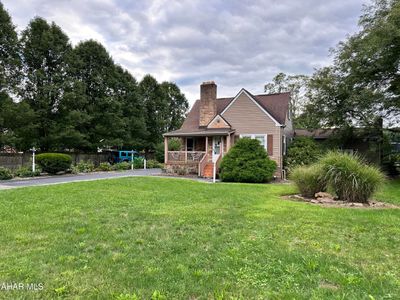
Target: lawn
{"type": "Point", "coordinates": [180, 239]}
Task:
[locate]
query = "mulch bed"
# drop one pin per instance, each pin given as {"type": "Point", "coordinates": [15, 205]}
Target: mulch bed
{"type": "Point", "coordinates": [330, 202]}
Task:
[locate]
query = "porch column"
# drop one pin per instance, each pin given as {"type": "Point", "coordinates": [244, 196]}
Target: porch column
{"type": "Point", "coordinates": [165, 150]}
{"type": "Point", "coordinates": [228, 142]}
{"type": "Point", "coordinates": [206, 145]}
{"type": "Point", "coordinates": [185, 149]}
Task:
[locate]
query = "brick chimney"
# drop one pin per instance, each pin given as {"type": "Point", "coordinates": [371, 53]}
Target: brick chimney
{"type": "Point", "coordinates": [208, 102]}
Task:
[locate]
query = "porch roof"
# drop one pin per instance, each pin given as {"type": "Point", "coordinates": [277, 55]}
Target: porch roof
{"type": "Point", "coordinates": [200, 132]}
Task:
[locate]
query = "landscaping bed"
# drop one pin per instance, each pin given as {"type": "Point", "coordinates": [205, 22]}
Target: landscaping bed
{"type": "Point", "coordinates": [329, 201]}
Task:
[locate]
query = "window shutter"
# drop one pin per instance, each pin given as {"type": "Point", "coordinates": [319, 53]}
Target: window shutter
{"type": "Point", "coordinates": [270, 144]}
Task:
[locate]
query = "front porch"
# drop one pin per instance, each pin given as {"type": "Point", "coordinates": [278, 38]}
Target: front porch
{"type": "Point", "coordinates": [198, 152]}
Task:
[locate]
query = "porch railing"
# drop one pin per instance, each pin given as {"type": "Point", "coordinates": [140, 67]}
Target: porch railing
{"type": "Point", "coordinates": [185, 156]}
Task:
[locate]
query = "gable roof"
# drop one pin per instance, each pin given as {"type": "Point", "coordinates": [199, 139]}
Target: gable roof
{"type": "Point", "coordinates": [256, 102]}
{"type": "Point", "coordinates": [218, 116]}
{"type": "Point", "coordinates": [277, 105]}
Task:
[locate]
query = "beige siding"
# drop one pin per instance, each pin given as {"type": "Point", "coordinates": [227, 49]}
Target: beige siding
{"type": "Point", "coordinates": [247, 118]}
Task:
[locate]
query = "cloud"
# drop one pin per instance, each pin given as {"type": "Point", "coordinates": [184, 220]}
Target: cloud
{"type": "Point", "coordinates": [236, 43]}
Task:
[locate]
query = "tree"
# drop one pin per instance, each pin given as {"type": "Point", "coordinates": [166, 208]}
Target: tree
{"type": "Point", "coordinates": [156, 110]}
{"type": "Point", "coordinates": [45, 48]}
{"type": "Point", "coordinates": [295, 84]}
{"type": "Point", "coordinates": [127, 92]}
{"type": "Point", "coordinates": [364, 82]}
{"type": "Point", "coordinates": [177, 105]}
{"type": "Point", "coordinates": [9, 52]}
{"type": "Point", "coordinates": [94, 96]}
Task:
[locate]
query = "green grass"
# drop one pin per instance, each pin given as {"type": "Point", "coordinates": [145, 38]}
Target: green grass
{"type": "Point", "coordinates": [390, 193]}
{"type": "Point", "coordinates": [188, 240]}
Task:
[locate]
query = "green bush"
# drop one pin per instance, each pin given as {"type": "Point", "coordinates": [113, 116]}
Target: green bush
{"type": "Point", "coordinates": [84, 167]}
{"type": "Point", "coordinates": [5, 173]}
{"type": "Point", "coordinates": [159, 152]}
{"type": "Point", "coordinates": [138, 163]}
{"type": "Point", "coordinates": [26, 172]}
{"type": "Point", "coordinates": [349, 177]}
{"type": "Point", "coordinates": [309, 179]}
{"type": "Point", "coordinates": [151, 163]}
{"type": "Point", "coordinates": [104, 166]}
{"type": "Point", "coordinates": [247, 161]}
{"type": "Point", "coordinates": [301, 152]}
{"type": "Point", "coordinates": [54, 162]}
{"type": "Point", "coordinates": [121, 166]}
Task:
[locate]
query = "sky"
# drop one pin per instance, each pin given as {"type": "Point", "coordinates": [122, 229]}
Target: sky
{"type": "Point", "coordinates": [236, 43]}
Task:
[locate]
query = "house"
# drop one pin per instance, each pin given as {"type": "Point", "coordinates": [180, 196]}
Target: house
{"type": "Point", "coordinates": [213, 125]}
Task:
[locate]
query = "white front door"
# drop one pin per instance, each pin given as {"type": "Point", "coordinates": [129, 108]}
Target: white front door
{"type": "Point", "coordinates": [216, 147]}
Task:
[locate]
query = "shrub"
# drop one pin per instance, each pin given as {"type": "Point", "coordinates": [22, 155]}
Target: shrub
{"type": "Point", "coordinates": [309, 179]}
{"type": "Point", "coordinates": [84, 167]}
{"type": "Point", "coordinates": [247, 161]}
{"type": "Point", "coordinates": [174, 144]}
{"type": "Point", "coordinates": [151, 163]}
{"type": "Point", "coordinates": [301, 152]}
{"type": "Point", "coordinates": [104, 166]}
{"type": "Point", "coordinates": [5, 173]}
{"type": "Point", "coordinates": [349, 177]}
{"type": "Point", "coordinates": [26, 172]}
{"type": "Point", "coordinates": [138, 163]}
{"type": "Point", "coordinates": [121, 166]}
{"type": "Point", "coordinates": [54, 162]}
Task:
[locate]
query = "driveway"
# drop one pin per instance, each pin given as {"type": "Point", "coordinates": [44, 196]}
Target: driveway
{"type": "Point", "coordinates": [37, 181]}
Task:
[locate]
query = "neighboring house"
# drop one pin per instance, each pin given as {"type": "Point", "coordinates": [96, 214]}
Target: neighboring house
{"type": "Point", "coordinates": [367, 143]}
{"type": "Point", "coordinates": [214, 125]}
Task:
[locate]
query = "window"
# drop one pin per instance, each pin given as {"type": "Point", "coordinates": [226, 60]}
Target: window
{"type": "Point", "coordinates": [262, 138]}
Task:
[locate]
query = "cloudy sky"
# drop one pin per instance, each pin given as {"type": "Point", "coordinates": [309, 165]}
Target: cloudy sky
{"type": "Point", "coordinates": [236, 43]}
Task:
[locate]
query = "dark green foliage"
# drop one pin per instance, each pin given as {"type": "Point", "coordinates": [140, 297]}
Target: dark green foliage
{"type": "Point", "coordinates": [177, 105]}
{"type": "Point", "coordinates": [45, 51]}
{"type": "Point", "coordinates": [9, 53]}
{"type": "Point", "coordinates": [83, 167]}
{"type": "Point", "coordinates": [5, 173]}
{"type": "Point", "coordinates": [77, 98]}
{"type": "Point", "coordinates": [302, 151]}
{"type": "Point", "coordinates": [156, 110]}
{"type": "Point", "coordinates": [151, 163]}
{"type": "Point", "coordinates": [309, 179]}
{"type": "Point", "coordinates": [121, 166]}
{"type": "Point", "coordinates": [26, 172]}
{"type": "Point", "coordinates": [350, 178]}
{"type": "Point", "coordinates": [104, 166]}
{"type": "Point", "coordinates": [54, 162]}
{"type": "Point", "coordinates": [363, 82]}
{"type": "Point", "coordinates": [247, 161]}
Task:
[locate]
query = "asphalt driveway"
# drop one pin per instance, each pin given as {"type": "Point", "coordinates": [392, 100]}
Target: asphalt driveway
{"type": "Point", "coordinates": [75, 178]}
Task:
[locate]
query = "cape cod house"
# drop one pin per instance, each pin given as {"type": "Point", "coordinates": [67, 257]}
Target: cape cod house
{"type": "Point", "coordinates": [213, 125]}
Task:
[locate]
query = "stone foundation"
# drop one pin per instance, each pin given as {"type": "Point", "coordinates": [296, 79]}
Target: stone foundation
{"type": "Point", "coordinates": [182, 169]}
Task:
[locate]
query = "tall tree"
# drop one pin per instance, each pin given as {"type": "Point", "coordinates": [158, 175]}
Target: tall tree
{"type": "Point", "coordinates": [364, 82]}
{"type": "Point", "coordinates": [9, 52]}
{"type": "Point", "coordinates": [156, 109]}
{"type": "Point", "coordinates": [94, 70]}
{"type": "Point", "coordinates": [177, 105]}
{"type": "Point", "coordinates": [45, 51]}
{"type": "Point", "coordinates": [127, 92]}
{"type": "Point", "coordinates": [295, 84]}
